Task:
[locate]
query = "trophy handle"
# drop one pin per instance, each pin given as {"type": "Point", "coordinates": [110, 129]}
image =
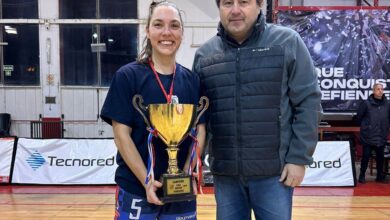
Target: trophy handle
{"type": "Point", "coordinates": [201, 108]}
{"type": "Point", "coordinates": [138, 105]}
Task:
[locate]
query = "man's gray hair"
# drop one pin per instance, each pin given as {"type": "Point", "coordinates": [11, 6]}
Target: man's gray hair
{"type": "Point", "coordinates": [377, 84]}
{"type": "Point", "coordinates": [258, 2]}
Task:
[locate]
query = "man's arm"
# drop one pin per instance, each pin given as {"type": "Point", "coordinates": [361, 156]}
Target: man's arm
{"type": "Point", "coordinates": [361, 112]}
{"type": "Point", "coordinates": [133, 160]}
{"type": "Point", "coordinates": [305, 97]}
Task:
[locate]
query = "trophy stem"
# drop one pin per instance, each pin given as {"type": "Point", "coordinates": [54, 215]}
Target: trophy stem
{"type": "Point", "coordinates": [172, 162]}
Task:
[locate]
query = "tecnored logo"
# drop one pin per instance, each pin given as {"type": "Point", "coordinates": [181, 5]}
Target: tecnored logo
{"type": "Point", "coordinates": [35, 160]}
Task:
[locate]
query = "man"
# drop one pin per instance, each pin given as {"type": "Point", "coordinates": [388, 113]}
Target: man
{"type": "Point", "coordinates": [264, 111]}
{"type": "Point", "coordinates": [373, 116]}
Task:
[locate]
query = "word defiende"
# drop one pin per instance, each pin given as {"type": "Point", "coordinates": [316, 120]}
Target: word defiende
{"type": "Point", "coordinates": [335, 84]}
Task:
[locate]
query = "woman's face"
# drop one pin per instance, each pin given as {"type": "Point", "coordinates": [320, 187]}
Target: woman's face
{"type": "Point", "coordinates": [165, 31]}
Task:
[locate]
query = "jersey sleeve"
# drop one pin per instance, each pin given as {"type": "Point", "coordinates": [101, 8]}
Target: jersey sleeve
{"type": "Point", "coordinates": [118, 103]}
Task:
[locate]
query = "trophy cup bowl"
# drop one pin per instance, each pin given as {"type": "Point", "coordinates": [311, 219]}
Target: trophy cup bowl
{"type": "Point", "coordinates": [173, 123]}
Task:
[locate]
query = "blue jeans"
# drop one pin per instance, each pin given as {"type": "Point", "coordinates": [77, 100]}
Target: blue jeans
{"type": "Point", "coordinates": [268, 198]}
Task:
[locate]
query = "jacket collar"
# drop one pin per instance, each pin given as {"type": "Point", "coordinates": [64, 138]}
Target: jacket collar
{"type": "Point", "coordinates": [374, 101]}
{"type": "Point", "coordinates": [256, 31]}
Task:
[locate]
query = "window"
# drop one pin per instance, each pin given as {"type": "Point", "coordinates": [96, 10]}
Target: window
{"type": "Point", "coordinates": [89, 9]}
{"type": "Point", "coordinates": [91, 53]}
{"type": "Point", "coordinates": [19, 44]}
{"type": "Point", "coordinates": [20, 52]}
{"type": "Point", "coordinates": [121, 43]}
{"type": "Point", "coordinates": [19, 9]}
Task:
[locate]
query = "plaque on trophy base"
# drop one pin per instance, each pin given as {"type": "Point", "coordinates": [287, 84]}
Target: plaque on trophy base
{"type": "Point", "coordinates": [177, 187]}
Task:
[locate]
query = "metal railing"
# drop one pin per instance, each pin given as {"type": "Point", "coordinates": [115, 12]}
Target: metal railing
{"type": "Point", "coordinates": [47, 129]}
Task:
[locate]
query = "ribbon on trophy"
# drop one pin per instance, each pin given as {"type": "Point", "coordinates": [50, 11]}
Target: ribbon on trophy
{"type": "Point", "coordinates": [151, 161]}
{"type": "Point", "coordinates": [195, 151]}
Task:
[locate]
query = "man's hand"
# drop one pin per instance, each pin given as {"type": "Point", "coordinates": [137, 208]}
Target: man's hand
{"type": "Point", "coordinates": [292, 174]}
{"type": "Point", "coordinates": [151, 189]}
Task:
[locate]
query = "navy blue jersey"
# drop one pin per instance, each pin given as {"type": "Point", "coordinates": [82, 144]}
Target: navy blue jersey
{"type": "Point", "coordinates": [136, 78]}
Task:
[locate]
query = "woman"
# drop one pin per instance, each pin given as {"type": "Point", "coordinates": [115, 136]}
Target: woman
{"type": "Point", "coordinates": [158, 79]}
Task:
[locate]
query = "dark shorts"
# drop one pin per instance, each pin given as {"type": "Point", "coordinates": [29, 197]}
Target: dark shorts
{"type": "Point", "coordinates": [130, 206]}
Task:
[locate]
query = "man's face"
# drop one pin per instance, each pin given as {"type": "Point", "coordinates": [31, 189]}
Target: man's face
{"type": "Point", "coordinates": [238, 17]}
{"type": "Point", "coordinates": [378, 91]}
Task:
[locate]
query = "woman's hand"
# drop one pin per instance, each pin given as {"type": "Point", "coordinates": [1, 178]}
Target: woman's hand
{"type": "Point", "coordinates": [151, 188]}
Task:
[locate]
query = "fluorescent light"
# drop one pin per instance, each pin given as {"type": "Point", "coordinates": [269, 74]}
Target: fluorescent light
{"type": "Point", "coordinates": [11, 31]}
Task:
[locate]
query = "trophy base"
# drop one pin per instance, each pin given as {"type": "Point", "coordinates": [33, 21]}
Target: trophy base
{"type": "Point", "coordinates": [177, 188]}
{"type": "Point", "coordinates": [181, 198]}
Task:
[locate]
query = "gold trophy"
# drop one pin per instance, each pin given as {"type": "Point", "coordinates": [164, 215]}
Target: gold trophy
{"type": "Point", "coordinates": [173, 123]}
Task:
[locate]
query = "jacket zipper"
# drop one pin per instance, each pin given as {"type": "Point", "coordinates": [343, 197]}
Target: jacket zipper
{"type": "Point", "coordinates": [238, 112]}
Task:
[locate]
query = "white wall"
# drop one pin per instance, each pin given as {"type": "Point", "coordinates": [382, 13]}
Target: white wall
{"type": "Point", "coordinates": [24, 105]}
{"type": "Point", "coordinates": [81, 107]}
{"type": "Point", "coordinates": [2, 100]}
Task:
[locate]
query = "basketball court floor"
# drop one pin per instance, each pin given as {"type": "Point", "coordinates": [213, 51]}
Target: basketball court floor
{"type": "Point", "coordinates": [370, 201]}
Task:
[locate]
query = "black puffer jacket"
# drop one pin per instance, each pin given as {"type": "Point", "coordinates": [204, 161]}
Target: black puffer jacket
{"type": "Point", "coordinates": [264, 100]}
{"type": "Point", "coordinates": [373, 116]}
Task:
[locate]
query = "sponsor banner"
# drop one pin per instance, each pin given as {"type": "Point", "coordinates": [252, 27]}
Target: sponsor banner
{"type": "Point", "coordinates": [65, 161]}
{"type": "Point", "coordinates": [332, 165]}
{"type": "Point", "coordinates": [6, 149]}
{"type": "Point", "coordinates": [350, 49]}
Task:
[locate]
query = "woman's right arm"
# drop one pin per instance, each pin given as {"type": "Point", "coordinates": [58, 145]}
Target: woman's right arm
{"type": "Point", "coordinates": [133, 160]}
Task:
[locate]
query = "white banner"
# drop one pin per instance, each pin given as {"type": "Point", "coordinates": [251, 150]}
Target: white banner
{"type": "Point", "coordinates": [332, 165]}
{"type": "Point", "coordinates": [6, 149]}
{"type": "Point", "coordinates": [65, 161]}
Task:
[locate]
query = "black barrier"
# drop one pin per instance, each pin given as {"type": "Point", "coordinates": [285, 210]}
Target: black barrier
{"type": "Point", "coordinates": [5, 124]}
